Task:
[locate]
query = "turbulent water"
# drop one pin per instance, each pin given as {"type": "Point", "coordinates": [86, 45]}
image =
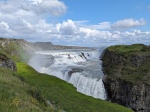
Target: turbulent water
{"type": "Point", "coordinates": [82, 68]}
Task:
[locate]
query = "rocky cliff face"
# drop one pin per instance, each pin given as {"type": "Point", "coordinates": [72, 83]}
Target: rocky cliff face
{"type": "Point", "coordinates": [6, 62]}
{"type": "Point", "coordinates": [127, 76]}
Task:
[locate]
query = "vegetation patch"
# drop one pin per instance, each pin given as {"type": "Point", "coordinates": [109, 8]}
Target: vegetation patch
{"type": "Point", "coordinates": [14, 96]}
{"type": "Point", "coordinates": [130, 49]}
{"type": "Point", "coordinates": [63, 95]}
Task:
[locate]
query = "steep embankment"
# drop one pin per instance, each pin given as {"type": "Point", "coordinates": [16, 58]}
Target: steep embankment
{"type": "Point", "coordinates": [127, 76]}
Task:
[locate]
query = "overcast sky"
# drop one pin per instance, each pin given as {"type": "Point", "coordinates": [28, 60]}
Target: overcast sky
{"type": "Point", "coordinates": [77, 22]}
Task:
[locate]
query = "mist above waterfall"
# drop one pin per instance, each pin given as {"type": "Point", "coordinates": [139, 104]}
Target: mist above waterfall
{"type": "Point", "coordinates": [82, 68]}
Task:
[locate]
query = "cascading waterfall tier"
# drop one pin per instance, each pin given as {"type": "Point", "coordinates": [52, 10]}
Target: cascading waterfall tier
{"type": "Point", "coordinates": [80, 68]}
{"type": "Point", "coordinates": [89, 86]}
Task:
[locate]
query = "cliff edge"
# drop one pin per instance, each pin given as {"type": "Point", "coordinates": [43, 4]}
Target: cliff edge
{"type": "Point", "coordinates": [127, 75]}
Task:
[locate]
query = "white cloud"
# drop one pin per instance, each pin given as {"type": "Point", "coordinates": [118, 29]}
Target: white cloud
{"type": "Point", "coordinates": [35, 1]}
{"type": "Point", "coordinates": [5, 29]}
{"type": "Point", "coordinates": [44, 7]}
{"type": "Point", "coordinates": [101, 26]}
{"type": "Point", "coordinates": [27, 19]}
{"type": "Point", "coordinates": [67, 28]}
{"type": "Point", "coordinates": [128, 23]}
{"type": "Point", "coordinates": [70, 32]}
{"type": "Point", "coordinates": [4, 26]}
{"type": "Point", "coordinates": [39, 7]}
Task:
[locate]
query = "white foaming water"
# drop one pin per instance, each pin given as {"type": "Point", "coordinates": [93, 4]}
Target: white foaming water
{"type": "Point", "coordinates": [88, 86]}
{"type": "Point", "coordinates": [80, 68]}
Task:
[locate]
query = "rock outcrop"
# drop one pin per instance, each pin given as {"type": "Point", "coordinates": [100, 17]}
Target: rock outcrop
{"type": "Point", "coordinates": [6, 62]}
{"type": "Point", "coordinates": [127, 76]}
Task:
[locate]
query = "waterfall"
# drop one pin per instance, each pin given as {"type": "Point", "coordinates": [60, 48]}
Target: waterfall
{"type": "Point", "coordinates": [89, 86]}
{"type": "Point", "coordinates": [82, 69]}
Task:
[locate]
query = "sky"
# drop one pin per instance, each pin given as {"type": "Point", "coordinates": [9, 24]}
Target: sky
{"type": "Point", "coordinates": [77, 22]}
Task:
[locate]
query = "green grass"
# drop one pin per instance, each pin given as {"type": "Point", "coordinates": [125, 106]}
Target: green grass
{"type": "Point", "coordinates": [130, 49]}
{"type": "Point", "coordinates": [64, 95]}
{"type": "Point", "coordinates": [15, 94]}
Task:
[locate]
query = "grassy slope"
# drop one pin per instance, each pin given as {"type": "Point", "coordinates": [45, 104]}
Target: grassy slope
{"type": "Point", "coordinates": [136, 49]}
{"type": "Point", "coordinates": [130, 72]}
{"type": "Point", "coordinates": [15, 97]}
{"type": "Point", "coordinates": [64, 95]}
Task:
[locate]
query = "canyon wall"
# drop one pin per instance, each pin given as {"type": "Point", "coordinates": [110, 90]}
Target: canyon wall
{"type": "Point", "coordinates": [127, 76]}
